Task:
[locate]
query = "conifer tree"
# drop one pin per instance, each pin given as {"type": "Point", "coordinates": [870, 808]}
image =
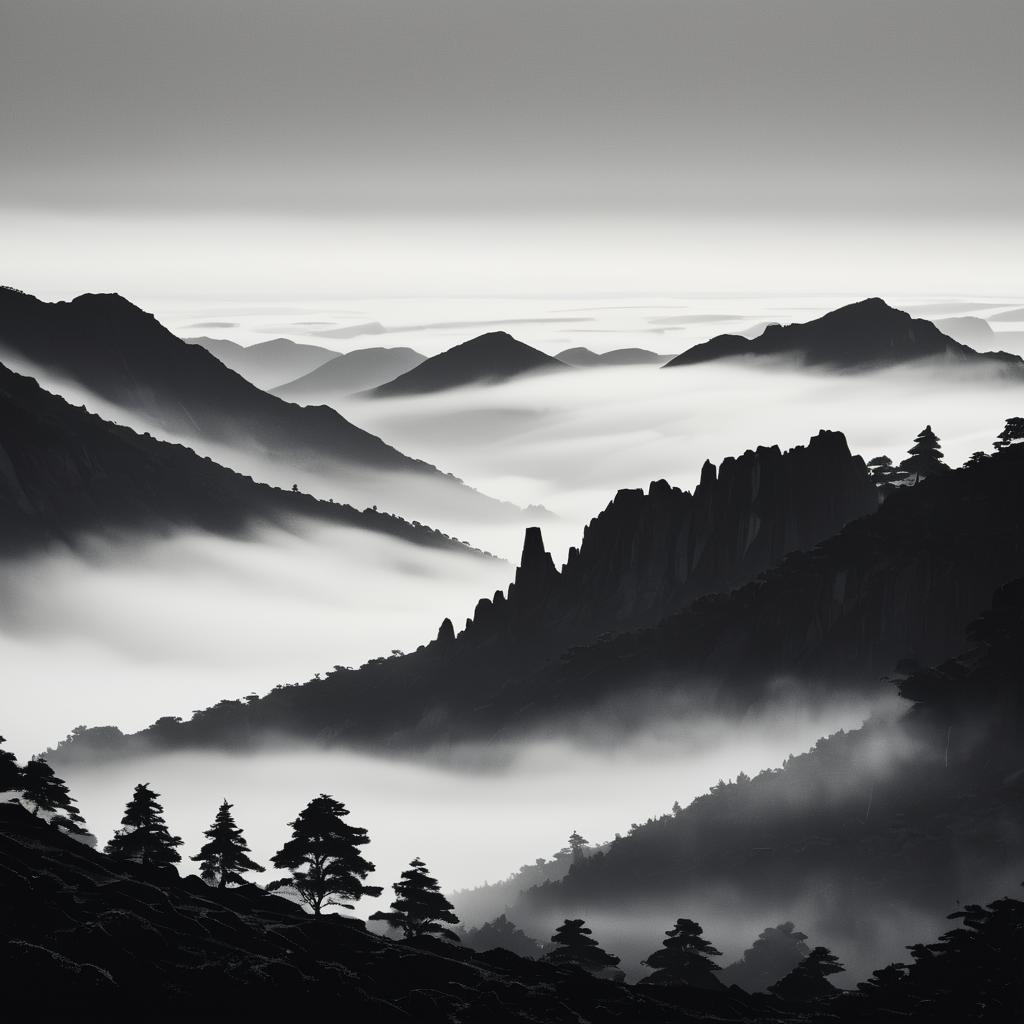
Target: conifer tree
{"type": "Point", "coordinates": [225, 856]}
{"type": "Point", "coordinates": [573, 945]}
{"type": "Point", "coordinates": [808, 980]}
{"type": "Point", "coordinates": [775, 952]}
{"type": "Point", "coordinates": [47, 792]}
{"type": "Point", "coordinates": [883, 473]}
{"type": "Point", "coordinates": [10, 771]}
{"type": "Point", "coordinates": [1012, 433]}
{"type": "Point", "coordinates": [577, 846]}
{"type": "Point", "coordinates": [323, 857]}
{"type": "Point", "coordinates": [144, 837]}
{"type": "Point", "coordinates": [419, 907]}
{"type": "Point", "coordinates": [924, 458]}
{"type": "Point", "coordinates": [976, 459]}
{"type": "Point", "coordinates": [684, 958]}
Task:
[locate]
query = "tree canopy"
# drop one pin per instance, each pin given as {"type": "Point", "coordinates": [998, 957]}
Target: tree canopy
{"type": "Point", "coordinates": [573, 945]}
{"type": "Point", "coordinates": [143, 836]}
{"type": "Point", "coordinates": [323, 857]}
{"type": "Point", "coordinates": [775, 952]}
{"type": "Point", "coordinates": [47, 792]}
{"type": "Point", "coordinates": [419, 907]}
{"type": "Point", "coordinates": [808, 980]}
{"type": "Point", "coordinates": [10, 771]}
{"type": "Point", "coordinates": [924, 459]}
{"type": "Point", "coordinates": [684, 958]}
{"type": "Point", "coordinates": [225, 855]}
{"type": "Point", "coordinates": [1012, 433]}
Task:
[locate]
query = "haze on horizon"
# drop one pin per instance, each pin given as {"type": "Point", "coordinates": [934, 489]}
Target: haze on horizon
{"type": "Point", "coordinates": [459, 148]}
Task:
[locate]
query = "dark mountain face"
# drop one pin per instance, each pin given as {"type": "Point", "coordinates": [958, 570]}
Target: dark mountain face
{"type": "Point", "coordinates": [65, 472]}
{"type": "Point", "coordinates": [351, 372]}
{"type": "Point", "coordinates": [646, 555]}
{"type": "Point", "coordinates": [488, 359]}
{"type": "Point", "coordinates": [123, 355]}
{"type": "Point", "coordinates": [267, 364]}
{"type": "Point", "coordinates": [617, 357]}
{"type": "Point", "coordinates": [891, 821]}
{"type": "Point", "coordinates": [864, 335]}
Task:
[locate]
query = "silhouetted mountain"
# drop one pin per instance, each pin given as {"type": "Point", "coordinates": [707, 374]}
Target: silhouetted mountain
{"type": "Point", "coordinates": [864, 335]}
{"type": "Point", "coordinates": [124, 356]}
{"type": "Point", "coordinates": [86, 937]}
{"type": "Point", "coordinates": [889, 822]}
{"type": "Point", "coordinates": [487, 359]}
{"type": "Point", "coordinates": [348, 373]}
{"type": "Point", "coordinates": [617, 357]}
{"type": "Point", "coordinates": [266, 364]}
{"type": "Point", "coordinates": [64, 472]}
{"type": "Point", "coordinates": [644, 556]}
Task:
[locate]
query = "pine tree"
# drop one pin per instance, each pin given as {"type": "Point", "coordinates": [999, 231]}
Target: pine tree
{"type": "Point", "coordinates": [573, 945]}
{"type": "Point", "coordinates": [924, 458]}
{"type": "Point", "coordinates": [144, 837]}
{"type": "Point", "coordinates": [46, 792]}
{"type": "Point", "coordinates": [807, 980]}
{"type": "Point", "coordinates": [775, 952]}
{"type": "Point", "coordinates": [684, 958]}
{"type": "Point", "coordinates": [225, 856]}
{"type": "Point", "coordinates": [501, 933]}
{"type": "Point", "coordinates": [323, 857]}
{"type": "Point", "coordinates": [1011, 434]}
{"type": "Point", "coordinates": [976, 460]}
{"type": "Point", "coordinates": [419, 907]}
{"type": "Point", "coordinates": [10, 771]}
{"type": "Point", "coordinates": [577, 846]}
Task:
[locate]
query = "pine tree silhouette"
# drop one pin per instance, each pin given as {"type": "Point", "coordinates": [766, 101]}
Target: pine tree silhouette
{"type": "Point", "coordinates": [808, 980]}
{"type": "Point", "coordinates": [144, 837]}
{"type": "Point", "coordinates": [225, 856]}
{"type": "Point", "coordinates": [46, 792]}
{"type": "Point", "coordinates": [924, 458]}
{"type": "Point", "coordinates": [10, 771]}
{"type": "Point", "coordinates": [573, 945]}
{"type": "Point", "coordinates": [577, 846]}
{"type": "Point", "coordinates": [419, 907]}
{"type": "Point", "coordinates": [684, 958]}
{"type": "Point", "coordinates": [976, 459]}
{"type": "Point", "coordinates": [775, 952]}
{"type": "Point", "coordinates": [1012, 433]}
{"type": "Point", "coordinates": [323, 857]}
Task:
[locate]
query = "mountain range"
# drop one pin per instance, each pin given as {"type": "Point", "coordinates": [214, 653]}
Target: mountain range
{"type": "Point", "coordinates": [487, 359]}
{"type": "Point", "coordinates": [646, 556]}
{"type": "Point", "coordinates": [266, 364]}
{"type": "Point", "coordinates": [583, 357]}
{"type": "Point", "coordinates": [348, 373]}
{"type": "Point", "coordinates": [127, 358]}
{"type": "Point", "coordinates": [864, 335]}
{"type": "Point", "coordinates": [65, 473]}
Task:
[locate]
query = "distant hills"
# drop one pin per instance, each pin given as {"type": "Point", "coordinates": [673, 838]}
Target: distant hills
{"type": "Point", "coordinates": [65, 473]}
{"type": "Point", "coordinates": [584, 357]}
{"type": "Point", "coordinates": [267, 363]}
{"type": "Point", "coordinates": [487, 359]}
{"type": "Point", "coordinates": [864, 335]}
{"type": "Point", "coordinates": [348, 373]}
{"type": "Point", "coordinates": [125, 356]}
{"type": "Point", "coordinates": [647, 555]}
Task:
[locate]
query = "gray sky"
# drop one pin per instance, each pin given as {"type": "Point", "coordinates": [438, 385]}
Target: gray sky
{"type": "Point", "coordinates": [376, 110]}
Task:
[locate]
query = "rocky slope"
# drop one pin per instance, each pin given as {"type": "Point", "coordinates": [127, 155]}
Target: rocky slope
{"type": "Point", "coordinates": [646, 555]}
{"type": "Point", "coordinates": [65, 472]}
{"type": "Point", "coordinates": [864, 335]}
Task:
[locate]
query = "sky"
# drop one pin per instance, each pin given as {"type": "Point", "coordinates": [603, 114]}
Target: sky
{"type": "Point", "coordinates": [242, 147]}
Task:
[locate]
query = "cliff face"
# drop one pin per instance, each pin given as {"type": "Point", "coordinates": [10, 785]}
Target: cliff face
{"type": "Point", "coordinates": [650, 553]}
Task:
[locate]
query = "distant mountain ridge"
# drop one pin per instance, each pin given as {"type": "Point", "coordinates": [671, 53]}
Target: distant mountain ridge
{"type": "Point", "coordinates": [486, 359]}
{"type": "Point", "coordinates": [267, 364]}
{"type": "Point", "coordinates": [617, 357]}
{"type": "Point", "coordinates": [125, 356]}
{"type": "Point", "coordinates": [65, 472]}
{"type": "Point", "coordinates": [862, 335]}
{"type": "Point", "coordinates": [349, 372]}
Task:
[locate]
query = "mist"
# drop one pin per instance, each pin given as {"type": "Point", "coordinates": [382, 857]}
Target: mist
{"type": "Point", "coordinates": [124, 631]}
